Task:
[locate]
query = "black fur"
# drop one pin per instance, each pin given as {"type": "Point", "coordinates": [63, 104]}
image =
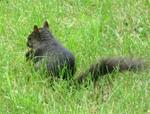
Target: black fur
{"type": "Point", "coordinates": [47, 51]}
{"type": "Point", "coordinates": [108, 65]}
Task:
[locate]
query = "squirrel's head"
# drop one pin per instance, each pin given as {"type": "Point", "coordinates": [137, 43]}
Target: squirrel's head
{"type": "Point", "coordinates": [38, 35]}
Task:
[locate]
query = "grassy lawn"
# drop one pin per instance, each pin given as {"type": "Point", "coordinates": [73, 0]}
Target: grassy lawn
{"type": "Point", "coordinates": [91, 29]}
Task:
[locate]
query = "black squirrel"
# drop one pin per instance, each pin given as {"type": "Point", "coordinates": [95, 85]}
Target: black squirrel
{"type": "Point", "coordinates": [47, 52]}
{"type": "Point", "coordinates": [45, 47]}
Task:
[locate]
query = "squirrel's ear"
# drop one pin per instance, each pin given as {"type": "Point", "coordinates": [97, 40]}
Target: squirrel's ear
{"type": "Point", "coordinates": [46, 25]}
{"type": "Point", "coordinates": [35, 28]}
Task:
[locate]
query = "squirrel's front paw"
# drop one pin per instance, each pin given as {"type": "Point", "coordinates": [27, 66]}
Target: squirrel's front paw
{"type": "Point", "coordinates": [29, 55]}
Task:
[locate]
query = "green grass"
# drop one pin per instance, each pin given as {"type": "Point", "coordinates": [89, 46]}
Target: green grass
{"type": "Point", "coordinates": [91, 29]}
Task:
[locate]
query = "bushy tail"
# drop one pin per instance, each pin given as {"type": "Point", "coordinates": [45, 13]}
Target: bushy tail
{"type": "Point", "coordinates": [108, 65]}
